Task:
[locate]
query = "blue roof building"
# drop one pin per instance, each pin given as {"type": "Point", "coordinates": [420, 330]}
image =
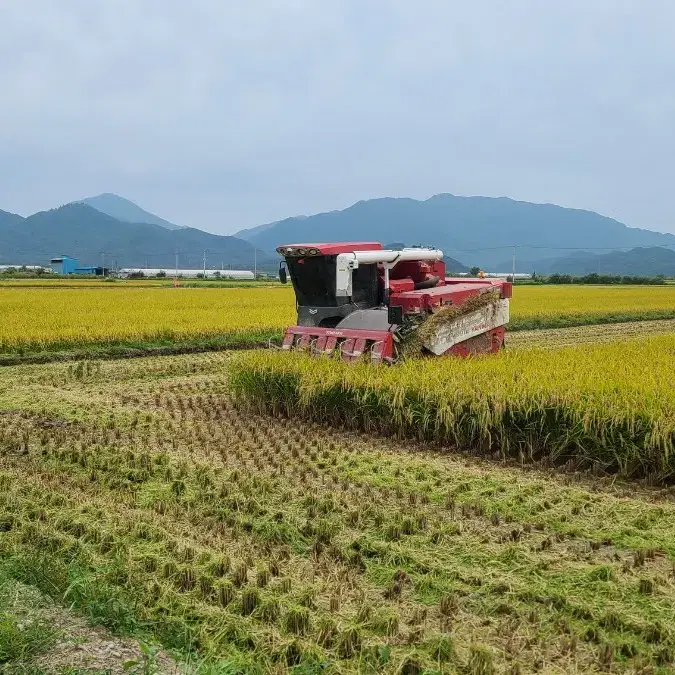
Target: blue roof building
{"type": "Point", "coordinates": [64, 265]}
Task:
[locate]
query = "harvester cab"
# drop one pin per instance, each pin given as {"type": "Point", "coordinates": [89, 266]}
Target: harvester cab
{"type": "Point", "coordinates": [358, 298]}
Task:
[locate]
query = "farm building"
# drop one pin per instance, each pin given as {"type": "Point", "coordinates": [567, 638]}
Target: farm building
{"type": "Point", "coordinates": [187, 274]}
{"type": "Point", "coordinates": [89, 269]}
{"type": "Point", "coordinates": [66, 265]}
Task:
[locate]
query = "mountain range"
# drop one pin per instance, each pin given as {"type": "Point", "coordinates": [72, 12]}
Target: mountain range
{"type": "Point", "coordinates": [640, 261]}
{"type": "Point", "coordinates": [476, 230]}
{"type": "Point", "coordinates": [125, 210]}
{"type": "Point", "coordinates": [96, 238]}
{"type": "Point", "coordinates": [473, 231]}
{"type": "Point", "coordinates": [7, 219]}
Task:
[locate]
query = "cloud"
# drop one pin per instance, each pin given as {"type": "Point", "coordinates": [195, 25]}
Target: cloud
{"type": "Point", "coordinates": [225, 115]}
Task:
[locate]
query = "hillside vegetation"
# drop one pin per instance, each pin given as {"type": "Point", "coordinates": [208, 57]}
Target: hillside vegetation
{"type": "Point", "coordinates": [471, 229]}
{"type": "Point", "coordinates": [8, 219]}
{"type": "Point", "coordinates": [644, 262]}
{"type": "Point", "coordinates": [83, 232]}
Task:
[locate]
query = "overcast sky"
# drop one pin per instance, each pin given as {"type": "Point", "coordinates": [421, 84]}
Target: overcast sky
{"type": "Point", "coordinates": [224, 114]}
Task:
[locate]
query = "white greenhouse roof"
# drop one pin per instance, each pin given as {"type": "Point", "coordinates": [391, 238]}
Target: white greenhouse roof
{"type": "Point", "coordinates": [153, 272]}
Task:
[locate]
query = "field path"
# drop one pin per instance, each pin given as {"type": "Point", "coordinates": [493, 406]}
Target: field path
{"type": "Point", "coordinates": [42, 637]}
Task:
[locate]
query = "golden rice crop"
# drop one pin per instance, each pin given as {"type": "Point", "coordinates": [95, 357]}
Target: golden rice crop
{"type": "Point", "coordinates": [613, 404]}
{"type": "Point", "coordinates": [79, 282]}
{"type": "Point", "coordinates": [560, 337]}
{"type": "Point", "coordinates": [559, 306]}
{"type": "Point", "coordinates": [143, 282]}
{"type": "Point", "coordinates": [538, 300]}
{"type": "Point", "coordinates": [46, 318]}
{"type": "Point", "coordinates": [65, 317]}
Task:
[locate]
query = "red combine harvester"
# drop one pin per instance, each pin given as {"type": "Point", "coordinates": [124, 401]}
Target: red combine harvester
{"type": "Point", "coordinates": [358, 298]}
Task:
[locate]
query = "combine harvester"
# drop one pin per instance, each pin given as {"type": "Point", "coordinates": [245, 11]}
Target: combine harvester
{"type": "Point", "coordinates": [358, 298]}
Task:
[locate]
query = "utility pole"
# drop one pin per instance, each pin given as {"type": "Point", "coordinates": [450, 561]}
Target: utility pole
{"type": "Point", "coordinates": [176, 275]}
{"type": "Point", "coordinates": [255, 263]}
{"type": "Point", "coordinates": [103, 262]}
{"type": "Point", "coordinates": [204, 261]}
{"type": "Point", "coordinates": [513, 273]}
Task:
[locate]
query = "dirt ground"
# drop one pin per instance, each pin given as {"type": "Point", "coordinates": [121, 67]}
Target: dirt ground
{"type": "Point", "coordinates": [78, 646]}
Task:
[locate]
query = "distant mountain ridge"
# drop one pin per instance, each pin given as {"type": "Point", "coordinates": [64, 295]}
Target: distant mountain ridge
{"type": "Point", "coordinates": [125, 210]}
{"type": "Point", "coordinates": [259, 229]}
{"type": "Point", "coordinates": [85, 233]}
{"type": "Point", "coordinates": [472, 231]}
{"type": "Point", "coordinates": [650, 261]}
{"type": "Point", "coordinates": [476, 230]}
{"type": "Point", "coordinates": [7, 218]}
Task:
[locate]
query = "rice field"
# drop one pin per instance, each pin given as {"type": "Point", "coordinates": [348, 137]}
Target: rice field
{"type": "Point", "coordinates": [138, 493]}
{"type": "Point", "coordinates": [112, 282]}
{"type": "Point", "coordinates": [560, 306]}
{"type": "Point", "coordinates": [589, 334]}
{"type": "Point", "coordinates": [132, 315]}
{"type": "Point", "coordinates": [61, 319]}
{"type": "Point", "coordinates": [611, 406]}
{"type": "Point", "coordinates": [61, 283]}
{"type": "Point", "coordinates": [262, 513]}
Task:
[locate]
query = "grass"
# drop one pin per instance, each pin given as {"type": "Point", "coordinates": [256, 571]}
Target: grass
{"type": "Point", "coordinates": [20, 642]}
{"type": "Point", "coordinates": [23, 631]}
{"type": "Point", "coordinates": [139, 493]}
{"type": "Point", "coordinates": [161, 345]}
{"type": "Point", "coordinates": [38, 637]}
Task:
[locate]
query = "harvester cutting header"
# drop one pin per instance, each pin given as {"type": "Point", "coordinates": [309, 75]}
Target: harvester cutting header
{"type": "Point", "coordinates": [358, 298]}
